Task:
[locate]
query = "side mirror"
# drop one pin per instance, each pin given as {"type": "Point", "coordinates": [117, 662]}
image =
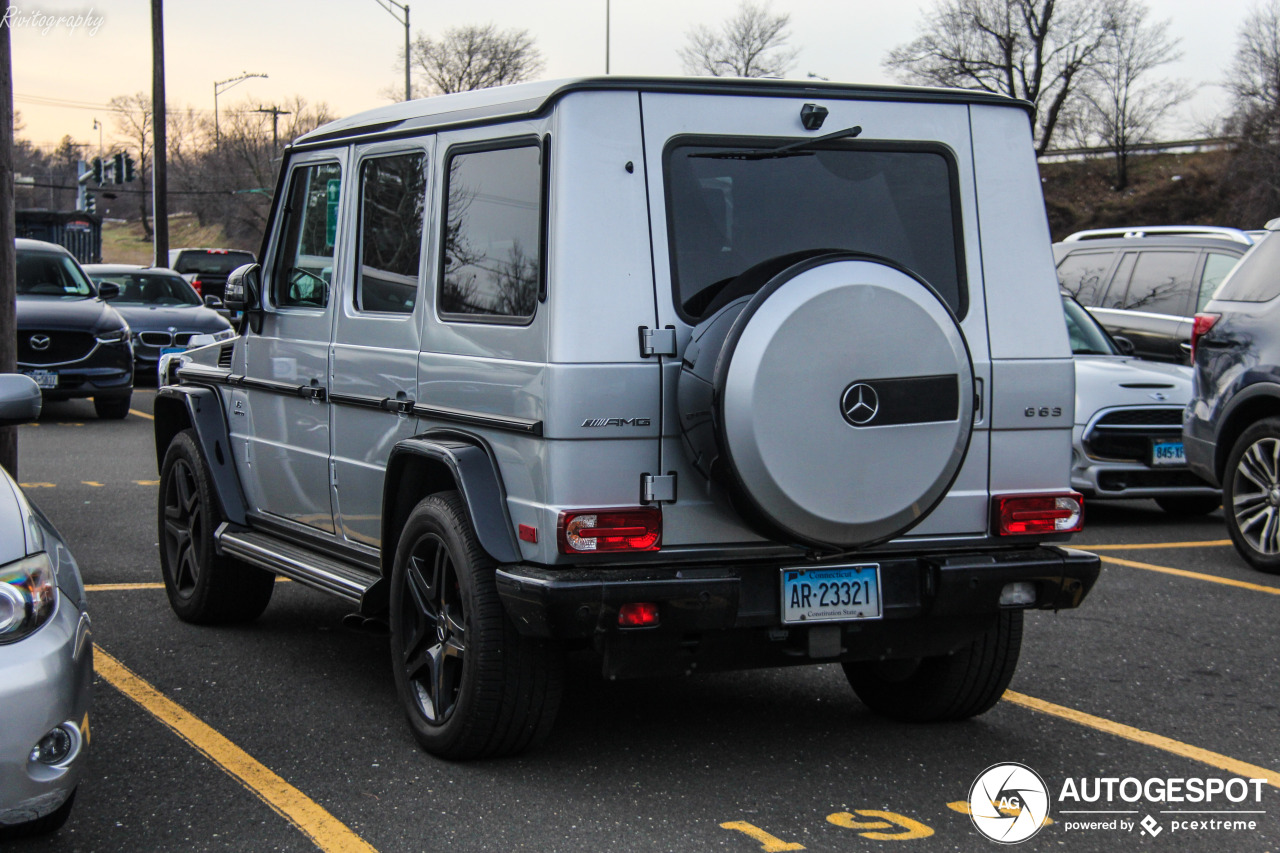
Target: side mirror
{"type": "Point", "coordinates": [244, 294]}
{"type": "Point", "coordinates": [19, 399]}
{"type": "Point", "coordinates": [212, 301]}
{"type": "Point", "coordinates": [1123, 344]}
{"type": "Point", "coordinates": [108, 290]}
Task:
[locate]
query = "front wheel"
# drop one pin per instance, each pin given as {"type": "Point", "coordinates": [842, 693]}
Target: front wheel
{"type": "Point", "coordinates": [470, 684]}
{"type": "Point", "coordinates": [949, 687]}
{"type": "Point", "coordinates": [1251, 495]}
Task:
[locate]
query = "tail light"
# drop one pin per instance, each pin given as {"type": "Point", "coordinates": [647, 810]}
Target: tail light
{"type": "Point", "coordinates": [199, 286]}
{"type": "Point", "coordinates": [1204, 322]}
{"type": "Point", "coordinates": [594, 531]}
{"type": "Point", "coordinates": [638, 614]}
{"type": "Point", "coordinates": [1022, 515]}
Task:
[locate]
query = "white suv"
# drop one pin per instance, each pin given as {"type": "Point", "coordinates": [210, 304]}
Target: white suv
{"type": "Point", "coordinates": [698, 374]}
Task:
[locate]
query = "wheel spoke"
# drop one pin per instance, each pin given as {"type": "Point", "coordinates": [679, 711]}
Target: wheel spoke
{"type": "Point", "coordinates": [433, 628]}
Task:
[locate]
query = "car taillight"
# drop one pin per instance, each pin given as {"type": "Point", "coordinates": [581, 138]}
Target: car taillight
{"type": "Point", "coordinates": [1204, 322]}
{"type": "Point", "coordinates": [593, 531]}
{"type": "Point", "coordinates": [199, 286]}
{"type": "Point", "coordinates": [1020, 515]}
{"type": "Point", "coordinates": [638, 614]}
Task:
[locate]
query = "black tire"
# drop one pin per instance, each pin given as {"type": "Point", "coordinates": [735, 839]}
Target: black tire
{"type": "Point", "coordinates": [112, 408]}
{"type": "Point", "coordinates": [50, 823]}
{"type": "Point", "coordinates": [1251, 495]}
{"type": "Point", "coordinates": [470, 684]}
{"type": "Point", "coordinates": [941, 689]}
{"type": "Point", "coordinates": [1189, 505]}
{"type": "Point", "coordinates": [203, 587]}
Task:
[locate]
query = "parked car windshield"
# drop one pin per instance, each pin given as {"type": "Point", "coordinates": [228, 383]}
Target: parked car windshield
{"type": "Point", "coordinates": [151, 289]}
{"type": "Point", "coordinates": [51, 274]}
{"type": "Point", "coordinates": [729, 212]}
{"type": "Point", "coordinates": [1087, 336]}
{"type": "Point", "coordinates": [212, 262]}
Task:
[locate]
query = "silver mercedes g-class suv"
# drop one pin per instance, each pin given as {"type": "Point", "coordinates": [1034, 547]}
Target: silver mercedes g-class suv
{"type": "Point", "coordinates": [697, 374]}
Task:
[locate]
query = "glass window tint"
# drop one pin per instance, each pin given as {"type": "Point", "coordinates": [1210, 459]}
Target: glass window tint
{"type": "Point", "coordinates": [392, 193]}
{"type": "Point", "coordinates": [1257, 277]}
{"type": "Point", "coordinates": [51, 274]}
{"type": "Point", "coordinates": [212, 261]}
{"type": "Point", "coordinates": [304, 267]}
{"type": "Point", "coordinates": [1160, 283]}
{"type": "Point", "coordinates": [492, 236]}
{"type": "Point", "coordinates": [1087, 336]}
{"type": "Point", "coordinates": [1082, 275]}
{"type": "Point", "coordinates": [1216, 267]}
{"type": "Point", "coordinates": [151, 289]}
{"type": "Point", "coordinates": [729, 213]}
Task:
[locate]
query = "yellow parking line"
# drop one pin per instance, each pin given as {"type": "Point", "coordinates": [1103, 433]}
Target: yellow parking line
{"type": "Point", "coordinates": [1183, 573]}
{"type": "Point", "coordinates": [1186, 750]}
{"type": "Point", "coordinates": [324, 830]}
{"type": "Point", "coordinates": [1211, 543]}
{"type": "Point", "coordinates": [117, 587]}
{"type": "Point", "coordinates": [142, 414]}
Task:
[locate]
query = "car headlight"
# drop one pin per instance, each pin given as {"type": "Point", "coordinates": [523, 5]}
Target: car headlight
{"type": "Point", "coordinates": [28, 593]}
{"type": "Point", "coordinates": [113, 336]}
{"type": "Point", "coordinates": [224, 335]}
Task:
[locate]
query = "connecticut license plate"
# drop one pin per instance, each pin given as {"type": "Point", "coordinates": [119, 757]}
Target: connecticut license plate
{"type": "Point", "coordinates": [1167, 453]}
{"type": "Point", "coordinates": [832, 594]}
{"type": "Point", "coordinates": [44, 378]}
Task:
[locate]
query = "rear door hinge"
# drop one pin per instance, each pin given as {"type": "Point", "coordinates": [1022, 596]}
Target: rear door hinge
{"type": "Point", "coordinates": [657, 488]}
{"type": "Point", "coordinates": [657, 341]}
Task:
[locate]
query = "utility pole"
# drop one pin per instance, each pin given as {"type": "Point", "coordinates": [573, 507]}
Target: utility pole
{"type": "Point", "coordinates": [275, 113]}
{"type": "Point", "coordinates": [8, 263]}
{"type": "Point", "coordinates": [159, 154]}
{"type": "Point", "coordinates": [219, 87]}
{"type": "Point", "coordinates": [392, 6]}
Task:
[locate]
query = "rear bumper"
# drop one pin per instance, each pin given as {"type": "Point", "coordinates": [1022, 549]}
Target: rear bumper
{"type": "Point", "coordinates": [728, 617]}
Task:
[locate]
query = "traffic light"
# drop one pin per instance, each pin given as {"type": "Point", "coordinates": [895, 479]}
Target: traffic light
{"type": "Point", "coordinates": [129, 171]}
{"type": "Point", "coordinates": [97, 170]}
{"type": "Point", "coordinates": [118, 162]}
{"type": "Point", "coordinates": [90, 203]}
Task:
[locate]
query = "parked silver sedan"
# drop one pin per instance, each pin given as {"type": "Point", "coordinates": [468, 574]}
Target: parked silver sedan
{"type": "Point", "coordinates": [1127, 441]}
{"type": "Point", "coordinates": [46, 655]}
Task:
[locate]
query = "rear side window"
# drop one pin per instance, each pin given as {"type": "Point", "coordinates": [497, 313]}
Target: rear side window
{"type": "Point", "coordinates": [1160, 284]}
{"type": "Point", "coordinates": [1083, 275]}
{"type": "Point", "coordinates": [304, 267]}
{"type": "Point", "coordinates": [729, 210]}
{"type": "Point", "coordinates": [1216, 268]}
{"type": "Point", "coordinates": [392, 194]}
{"type": "Point", "coordinates": [1257, 277]}
{"type": "Point", "coordinates": [492, 264]}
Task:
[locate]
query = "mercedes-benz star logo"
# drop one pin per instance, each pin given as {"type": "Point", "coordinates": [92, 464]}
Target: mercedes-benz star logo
{"type": "Point", "coordinates": [859, 404]}
{"type": "Point", "coordinates": [40, 343]}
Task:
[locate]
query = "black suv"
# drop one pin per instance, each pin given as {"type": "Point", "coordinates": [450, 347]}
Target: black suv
{"type": "Point", "coordinates": [1231, 428]}
{"type": "Point", "coordinates": [207, 269]}
{"type": "Point", "coordinates": [1146, 284]}
{"type": "Point", "coordinates": [70, 341]}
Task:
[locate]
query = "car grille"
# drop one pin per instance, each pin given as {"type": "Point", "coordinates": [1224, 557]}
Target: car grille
{"type": "Point", "coordinates": [1126, 433]}
{"type": "Point", "coordinates": [63, 346]}
{"type": "Point", "coordinates": [164, 339]}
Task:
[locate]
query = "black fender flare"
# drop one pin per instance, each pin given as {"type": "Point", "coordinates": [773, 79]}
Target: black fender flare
{"type": "Point", "coordinates": [180, 406]}
{"type": "Point", "coordinates": [475, 474]}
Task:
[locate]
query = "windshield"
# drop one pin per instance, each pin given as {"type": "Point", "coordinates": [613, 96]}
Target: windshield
{"type": "Point", "coordinates": [212, 262]}
{"type": "Point", "coordinates": [728, 214]}
{"type": "Point", "coordinates": [1087, 336]}
{"type": "Point", "coordinates": [151, 289]}
{"type": "Point", "coordinates": [51, 274]}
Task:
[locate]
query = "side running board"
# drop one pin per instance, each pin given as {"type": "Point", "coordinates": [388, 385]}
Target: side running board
{"type": "Point", "coordinates": [326, 574]}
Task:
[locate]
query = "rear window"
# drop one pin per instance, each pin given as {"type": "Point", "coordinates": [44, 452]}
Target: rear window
{"type": "Point", "coordinates": [212, 262]}
{"type": "Point", "coordinates": [728, 212]}
{"type": "Point", "coordinates": [1257, 277]}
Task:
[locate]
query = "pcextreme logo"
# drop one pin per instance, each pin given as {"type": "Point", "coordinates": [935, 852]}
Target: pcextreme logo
{"type": "Point", "coordinates": [1008, 803]}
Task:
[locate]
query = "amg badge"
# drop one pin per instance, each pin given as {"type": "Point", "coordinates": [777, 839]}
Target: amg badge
{"type": "Point", "coordinates": [620, 422]}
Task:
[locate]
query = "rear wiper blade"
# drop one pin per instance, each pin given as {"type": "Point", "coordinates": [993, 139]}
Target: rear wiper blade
{"type": "Point", "coordinates": [803, 148]}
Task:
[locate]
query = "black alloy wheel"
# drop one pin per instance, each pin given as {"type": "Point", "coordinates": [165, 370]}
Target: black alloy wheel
{"type": "Point", "coordinates": [184, 525]}
{"type": "Point", "coordinates": [435, 642]}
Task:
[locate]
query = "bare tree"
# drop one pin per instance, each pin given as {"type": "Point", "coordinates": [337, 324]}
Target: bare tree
{"type": "Point", "coordinates": [753, 43]}
{"type": "Point", "coordinates": [133, 122]}
{"type": "Point", "coordinates": [475, 57]}
{"type": "Point", "coordinates": [1038, 50]}
{"type": "Point", "coordinates": [1254, 84]}
{"type": "Point", "coordinates": [1122, 105]}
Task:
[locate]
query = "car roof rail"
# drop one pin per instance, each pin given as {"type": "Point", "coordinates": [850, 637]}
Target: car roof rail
{"type": "Point", "coordinates": [1233, 234]}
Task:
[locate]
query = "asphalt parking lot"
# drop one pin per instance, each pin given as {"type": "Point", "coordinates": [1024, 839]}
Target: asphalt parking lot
{"type": "Point", "coordinates": [286, 734]}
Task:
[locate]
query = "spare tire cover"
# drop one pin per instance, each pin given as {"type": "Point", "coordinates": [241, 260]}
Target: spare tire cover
{"type": "Point", "coordinates": [835, 404]}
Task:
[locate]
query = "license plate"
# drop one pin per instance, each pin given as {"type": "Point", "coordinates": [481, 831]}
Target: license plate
{"type": "Point", "coordinates": [833, 594]}
{"type": "Point", "coordinates": [1167, 453]}
{"type": "Point", "coordinates": [44, 378]}
{"type": "Point", "coordinates": [165, 350]}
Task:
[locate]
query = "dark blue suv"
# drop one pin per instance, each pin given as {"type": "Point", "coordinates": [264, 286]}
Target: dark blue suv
{"type": "Point", "coordinates": [1231, 428]}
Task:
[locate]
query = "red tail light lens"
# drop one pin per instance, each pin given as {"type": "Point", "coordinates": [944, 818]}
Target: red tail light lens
{"type": "Point", "coordinates": [1204, 322]}
{"type": "Point", "coordinates": [638, 614]}
{"type": "Point", "coordinates": [198, 285]}
{"type": "Point", "coordinates": [1021, 515]}
{"type": "Point", "coordinates": [594, 531]}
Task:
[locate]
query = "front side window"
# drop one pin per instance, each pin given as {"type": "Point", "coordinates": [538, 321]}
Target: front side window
{"type": "Point", "coordinates": [729, 210]}
{"type": "Point", "coordinates": [1082, 275]}
{"type": "Point", "coordinates": [392, 195]}
{"type": "Point", "coordinates": [304, 267]}
{"type": "Point", "coordinates": [492, 265]}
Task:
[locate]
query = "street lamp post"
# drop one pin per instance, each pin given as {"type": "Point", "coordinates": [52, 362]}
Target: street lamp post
{"type": "Point", "coordinates": [219, 87]}
{"type": "Point", "coordinates": [392, 7]}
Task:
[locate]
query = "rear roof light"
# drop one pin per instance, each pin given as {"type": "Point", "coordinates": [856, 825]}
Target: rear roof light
{"type": "Point", "coordinates": [1204, 322]}
{"type": "Point", "coordinates": [1023, 515]}
{"type": "Point", "coordinates": [594, 531]}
